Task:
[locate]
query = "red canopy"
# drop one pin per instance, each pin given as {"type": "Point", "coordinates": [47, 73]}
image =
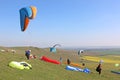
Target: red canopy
{"type": "Point", "coordinates": [49, 60]}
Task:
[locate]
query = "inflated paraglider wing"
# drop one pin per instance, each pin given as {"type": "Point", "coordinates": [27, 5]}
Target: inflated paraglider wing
{"type": "Point", "coordinates": [53, 49]}
{"type": "Point", "coordinates": [56, 45]}
{"type": "Point", "coordinates": [26, 14]}
{"type": "Point", "coordinates": [80, 51]}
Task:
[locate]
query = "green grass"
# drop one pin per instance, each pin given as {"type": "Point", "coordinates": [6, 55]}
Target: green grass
{"type": "Point", "coordinates": [47, 71]}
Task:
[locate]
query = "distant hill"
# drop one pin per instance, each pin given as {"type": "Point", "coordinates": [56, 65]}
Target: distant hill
{"type": "Point", "coordinates": [65, 53]}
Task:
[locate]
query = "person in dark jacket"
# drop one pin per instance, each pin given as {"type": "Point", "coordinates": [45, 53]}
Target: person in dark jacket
{"type": "Point", "coordinates": [98, 69]}
{"type": "Point", "coordinates": [68, 61]}
{"type": "Point", "coordinates": [27, 54]}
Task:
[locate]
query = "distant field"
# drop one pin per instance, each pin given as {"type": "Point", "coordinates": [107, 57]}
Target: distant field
{"type": "Point", "coordinates": [47, 71]}
{"type": "Point", "coordinates": [106, 51]}
{"type": "Point", "coordinates": [106, 59]}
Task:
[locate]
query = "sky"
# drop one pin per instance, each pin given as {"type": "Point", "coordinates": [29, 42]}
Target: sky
{"type": "Point", "coordinates": [71, 23]}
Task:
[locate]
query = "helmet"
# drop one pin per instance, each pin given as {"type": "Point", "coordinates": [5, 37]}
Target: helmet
{"type": "Point", "coordinates": [29, 50]}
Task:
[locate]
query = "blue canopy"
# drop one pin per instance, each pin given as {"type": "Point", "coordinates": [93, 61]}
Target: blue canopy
{"type": "Point", "coordinates": [86, 70]}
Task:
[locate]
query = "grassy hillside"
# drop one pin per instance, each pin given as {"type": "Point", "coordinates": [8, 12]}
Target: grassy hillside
{"type": "Point", "coordinates": [47, 71]}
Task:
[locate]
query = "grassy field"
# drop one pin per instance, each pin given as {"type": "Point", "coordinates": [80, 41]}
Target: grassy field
{"type": "Point", "coordinates": [109, 59]}
{"type": "Point", "coordinates": [47, 71]}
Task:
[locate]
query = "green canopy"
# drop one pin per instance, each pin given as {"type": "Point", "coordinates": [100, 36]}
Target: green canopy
{"type": "Point", "coordinates": [20, 65]}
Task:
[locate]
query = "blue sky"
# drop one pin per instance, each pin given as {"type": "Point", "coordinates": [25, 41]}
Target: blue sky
{"type": "Point", "coordinates": [71, 23]}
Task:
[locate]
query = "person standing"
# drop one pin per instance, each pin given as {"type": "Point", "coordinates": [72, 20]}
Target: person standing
{"type": "Point", "coordinates": [61, 60]}
{"type": "Point", "coordinates": [27, 54]}
{"type": "Point", "coordinates": [68, 61]}
{"type": "Point", "coordinates": [98, 68]}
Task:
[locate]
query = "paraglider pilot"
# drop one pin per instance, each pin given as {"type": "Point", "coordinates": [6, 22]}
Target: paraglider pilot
{"type": "Point", "coordinates": [98, 69]}
{"type": "Point", "coordinates": [27, 54]}
{"type": "Point", "coordinates": [60, 59]}
{"type": "Point", "coordinates": [68, 61]}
